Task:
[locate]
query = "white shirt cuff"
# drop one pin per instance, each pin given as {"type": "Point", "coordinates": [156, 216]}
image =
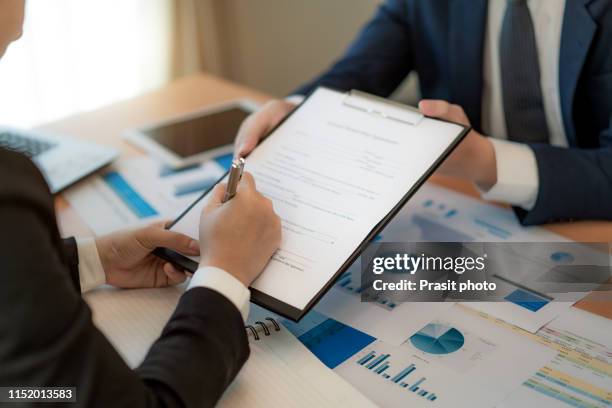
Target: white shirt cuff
{"type": "Point", "coordinates": [91, 273]}
{"type": "Point", "coordinates": [295, 99]}
{"type": "Point", "coordinates": [517, 175]}
{"type": "Point", "coordinates": [221, 281]}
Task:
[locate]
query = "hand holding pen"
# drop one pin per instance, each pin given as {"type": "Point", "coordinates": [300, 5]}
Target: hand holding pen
{"type": "Point", "coordinates": [235, 175]}
{"type": "Point", "coordinates": [239, 236]}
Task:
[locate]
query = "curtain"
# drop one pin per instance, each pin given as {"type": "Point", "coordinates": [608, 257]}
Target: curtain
{"type": "Point", "coordinates": [77, 55]}
{"type": "Point", "coordinates": [196, 37]}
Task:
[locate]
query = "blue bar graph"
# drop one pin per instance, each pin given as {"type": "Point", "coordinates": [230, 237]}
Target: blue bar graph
{"type": "Point", "coordinates": [382, 368]}
{"type": "Point", "coordinates": [366, 358]}
{"type": "Point", "coordinates": [402, 374]}
{"type": "Point", "coordinates": [415, 386]}
{"type": "Point", "coordinates": [380, 364]}
{"type": "Point", "coordinates": [379, 360]}
{"type": "Point", "coordinates": [128, 195]}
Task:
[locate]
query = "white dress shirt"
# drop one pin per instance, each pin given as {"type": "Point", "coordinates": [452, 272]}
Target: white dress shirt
{"type": "Point", "coordinates": [91, 275]}
{"type": "Point", "coordinates": [517, 171]}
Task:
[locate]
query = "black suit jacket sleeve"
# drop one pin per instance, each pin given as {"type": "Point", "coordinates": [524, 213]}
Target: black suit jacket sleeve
{"type": "Point", "coordinates": [46, 333]}
{"type": "Point", "coordinates": [71, 255]}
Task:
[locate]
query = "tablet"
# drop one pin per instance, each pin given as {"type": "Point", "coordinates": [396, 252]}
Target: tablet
{"type": "Point", "coordinates": [193, 138]}
{"type": "Point", "coordinates": [337, 170]}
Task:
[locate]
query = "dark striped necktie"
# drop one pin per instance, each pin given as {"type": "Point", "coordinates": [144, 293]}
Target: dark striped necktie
{"type": "Point", "coordinates": [520, 74]}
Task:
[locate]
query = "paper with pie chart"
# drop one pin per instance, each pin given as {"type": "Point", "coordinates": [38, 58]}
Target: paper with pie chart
{"type": "Point", "coordinates": [440, 365]}
{"type": "Point", "coordinates": [436, 338]}
{"type": "Point", "coordinates": [450, 346]}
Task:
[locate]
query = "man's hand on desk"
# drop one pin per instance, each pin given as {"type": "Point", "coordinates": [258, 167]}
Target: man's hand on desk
{"type": "Point", "coordinates": [128, 262]}
{"type": "Point", "coordinates": [474, 158]}
{"type": "Point", "coordinates": [259, 124]}
{"type": "Point", "coordinates": [240, 235]}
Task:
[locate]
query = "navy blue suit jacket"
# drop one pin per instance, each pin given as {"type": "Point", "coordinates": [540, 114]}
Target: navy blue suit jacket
{"type": "Point", "coordinates": [443, 41]}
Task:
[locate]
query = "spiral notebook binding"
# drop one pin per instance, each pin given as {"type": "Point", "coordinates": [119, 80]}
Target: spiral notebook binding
{"type": "Point", "coordinates": [255, 330]}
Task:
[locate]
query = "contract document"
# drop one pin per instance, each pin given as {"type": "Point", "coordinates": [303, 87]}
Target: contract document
{"type": "Point", "coordinates": [337, 170]}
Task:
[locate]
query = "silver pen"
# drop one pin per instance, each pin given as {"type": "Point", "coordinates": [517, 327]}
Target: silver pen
{"type": "Point", "coordinates": [235, 175]}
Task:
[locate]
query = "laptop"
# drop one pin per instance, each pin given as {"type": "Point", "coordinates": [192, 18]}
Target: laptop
{"type": "Point", "coordinates": [62, 160]}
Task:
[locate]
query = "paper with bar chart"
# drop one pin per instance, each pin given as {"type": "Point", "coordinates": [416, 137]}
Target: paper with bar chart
{"type": "Point", "coordinates": [445, 363]}
{"type": "Point", "coordinates": [399, 376]}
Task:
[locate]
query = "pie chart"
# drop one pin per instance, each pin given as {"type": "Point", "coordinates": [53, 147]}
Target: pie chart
{"type": "Point", "coordinates": [436, 338]}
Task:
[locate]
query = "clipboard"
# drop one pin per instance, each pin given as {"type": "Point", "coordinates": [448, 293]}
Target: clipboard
{"type": "Point", "coordinates": [384, 109]}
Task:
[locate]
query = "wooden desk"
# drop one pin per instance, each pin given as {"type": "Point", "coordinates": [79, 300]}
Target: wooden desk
{"type": "Point", "coordinates": [105, 126]}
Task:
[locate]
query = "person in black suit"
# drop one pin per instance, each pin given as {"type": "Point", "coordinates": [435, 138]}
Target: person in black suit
{"type": "Point", "coordinates": [47, 338]}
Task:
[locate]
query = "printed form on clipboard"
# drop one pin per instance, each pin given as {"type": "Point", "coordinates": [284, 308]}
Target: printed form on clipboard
{"type": "Point", "coordinates": [337, 170]}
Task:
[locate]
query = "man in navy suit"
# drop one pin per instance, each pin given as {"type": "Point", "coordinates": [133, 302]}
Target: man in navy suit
{"type": "Point", "coordinates": [534, 76]}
